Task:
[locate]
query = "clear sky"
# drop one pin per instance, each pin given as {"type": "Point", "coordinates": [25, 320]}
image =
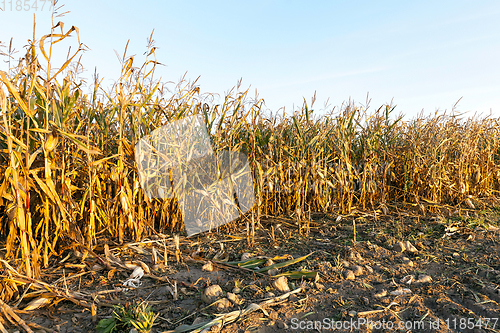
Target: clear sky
{"type": "Point", "coordinates": [423, 55]}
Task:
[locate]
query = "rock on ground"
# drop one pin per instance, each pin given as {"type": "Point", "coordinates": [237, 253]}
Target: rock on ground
{"type": "Point", "coordinates": [211, 293]}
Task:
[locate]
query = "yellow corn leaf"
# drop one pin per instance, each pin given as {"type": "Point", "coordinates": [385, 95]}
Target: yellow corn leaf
{"type": "Point", "coordinates": [13, 91]}
{"type": "Point", "coordinates": [102, 160]}
{"type": "Point", "coordinates": [303, 274]}
{"type": "Point", "coordinates": [49, 188]}
{"type": "Point", "coordinates": [38, 303]}
{"type": "Point", "coordinates": [284, 264]}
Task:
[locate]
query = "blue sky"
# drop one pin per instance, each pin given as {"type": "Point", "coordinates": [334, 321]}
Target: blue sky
{"type": "Point", "coordinates": [422, 55]}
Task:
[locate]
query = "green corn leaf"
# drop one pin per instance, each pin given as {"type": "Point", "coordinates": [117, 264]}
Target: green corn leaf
{"type": "Point", "coordinates": [106, 325]}
{"type": "Point", "coordinates": [284, 264]}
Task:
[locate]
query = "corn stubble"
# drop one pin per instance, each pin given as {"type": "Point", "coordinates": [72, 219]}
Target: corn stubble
{"type": "Point", "coordinates": [68, 174]}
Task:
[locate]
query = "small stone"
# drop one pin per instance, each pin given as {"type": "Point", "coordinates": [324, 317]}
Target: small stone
{"type": "Point", "coordinates": [273, 272]}
{"type": "Point", "coordinates": [97, 267]}
{"type": "Point", "coordinates": [366, 300]}
{"type": "Point", "coordinates": [422, 278]}
{"type": "Point", "coordinates": [383, 293]}
{"type": "Point", "coordinates": [345, 264]}
{"type": "Point", "coordinates": [223, 304]}
{"type": "Point", "coordinates": [408, 279]}
{"type": "Point", "coordinates": [269, 295]}
{"type": "Point", "coordinates": [410, 248]}
{"type": "Point", "coordinates": [405, 246]}
{"type": "Point", "coordinates": [352, 313]}
{"type": "Point", "coordinates": [269, 262]}
{"type": "Point", "coordinates": [246, 256]}
{"type": "Point", "coordinates": [369, 269]}
{"type": "Point", "coordinates": [456, 255]}
{"type": "Point", "coordinates": [293, 298]}
{"type": "Point", "coordinates": [198, 320]}
{"type": "Point", "coordinates": [349, 275]}
{"type": "Point", "coordinates": [357, 270]}
{"type": "Point", "coordinates": [408, 262]}
{"type": "Point", "coordinates": [492, 228]}
{"type": "Point", "coordinates": [235, 299]}
{"type": "Point", "coordinates": [400, 291]}
{"type": "Point", "coordinates": [208, 267]}
{"type": "Point", "coordinates": [399, 247]}
{"type": "Point", "coordinates": [273, 315]}
{"type": "Point", "coordinates": [319, 286]}
{"type": "Point", "coordinates": [211, 293]}
{"type": "Point", "coordinates": [281, 284]}
{"type": "Point", "coordinates": [236, 290]}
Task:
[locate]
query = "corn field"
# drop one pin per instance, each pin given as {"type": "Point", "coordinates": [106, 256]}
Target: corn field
{"type": "Point", "coordinates": [68, 173]}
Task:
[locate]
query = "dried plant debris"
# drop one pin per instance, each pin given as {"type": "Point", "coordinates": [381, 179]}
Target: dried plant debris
{"type": "Point", "coordinates": [385, 283]}
{"type": "Point", "coordinates": [228, 318]}
{"type": "Point", "coordinates": [268, 264]}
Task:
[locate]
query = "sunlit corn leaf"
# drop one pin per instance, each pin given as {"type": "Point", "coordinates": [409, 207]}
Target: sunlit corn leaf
{"type": "Point", "coordinates": [252, 263]}
{"type": "Point", "coordinates": [283, 264]}
{"type": "Point", "coordinates": [260, 260]}
{"type": "Point", "coordinates": [80, 145]}
{"type": "Point", "coordinates": [38, 303]}
{"type": "Point", "coordinates": [303, 274]}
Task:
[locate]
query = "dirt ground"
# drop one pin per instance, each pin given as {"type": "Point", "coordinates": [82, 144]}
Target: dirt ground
{"type": "Point", "coordinates": [447, 281]}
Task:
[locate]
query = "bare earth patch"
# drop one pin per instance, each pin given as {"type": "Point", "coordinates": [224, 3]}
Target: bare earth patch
{"type": "Point", "coordinates": [401, 273]}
